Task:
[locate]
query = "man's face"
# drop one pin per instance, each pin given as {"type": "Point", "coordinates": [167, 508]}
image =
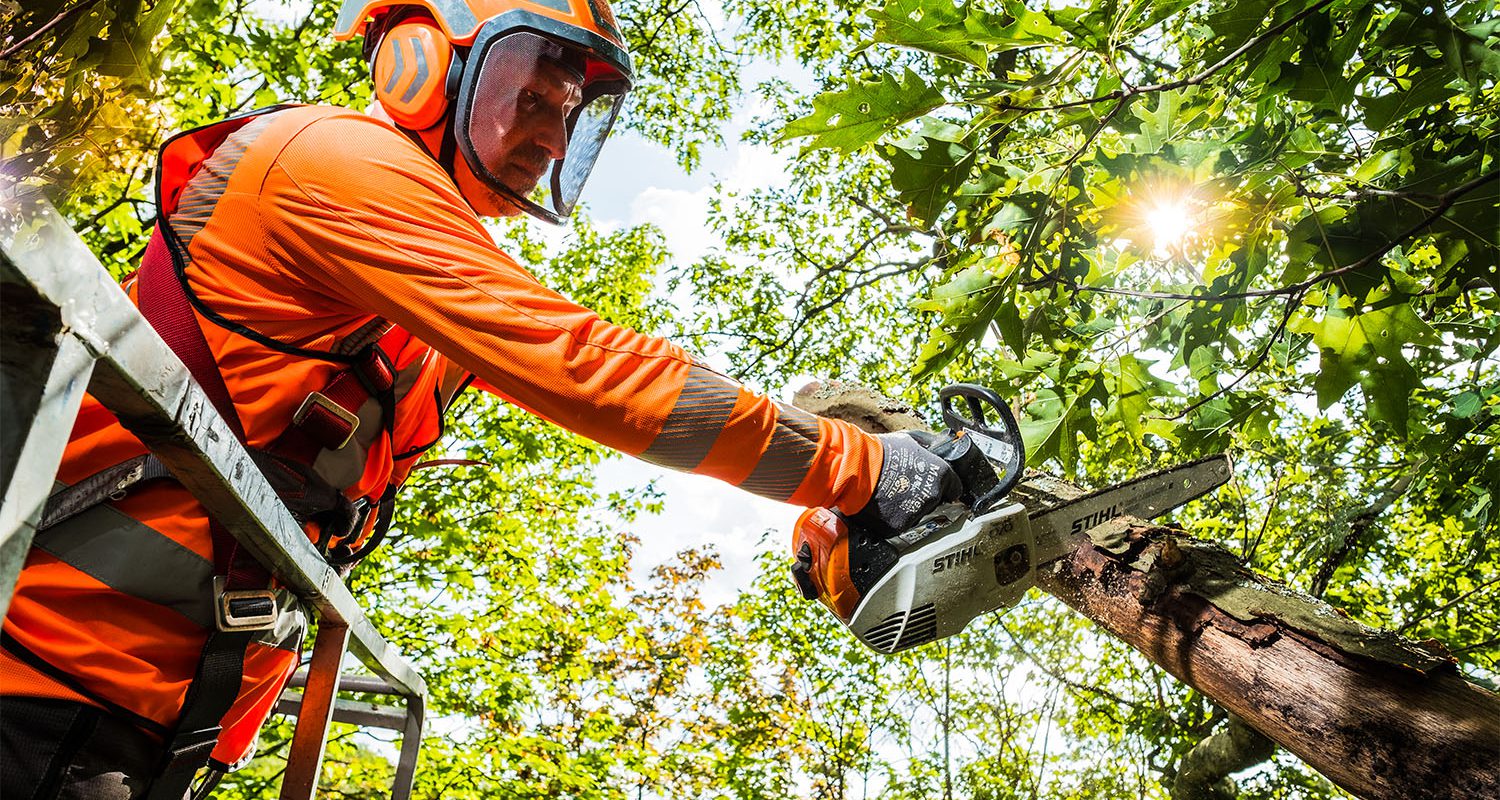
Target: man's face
{"type": "Point", "coordinates": [519, 128]}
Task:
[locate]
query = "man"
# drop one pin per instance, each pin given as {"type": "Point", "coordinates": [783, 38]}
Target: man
{"type": "Point", "coordinates": [325, 276]}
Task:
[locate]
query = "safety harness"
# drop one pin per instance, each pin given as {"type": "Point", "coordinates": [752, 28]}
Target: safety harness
{"type": "Point", "coordinates": [244, 602]}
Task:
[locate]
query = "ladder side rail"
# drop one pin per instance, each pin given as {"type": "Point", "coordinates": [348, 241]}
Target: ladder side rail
{"type": "Point", "coordinates": [43, 373]}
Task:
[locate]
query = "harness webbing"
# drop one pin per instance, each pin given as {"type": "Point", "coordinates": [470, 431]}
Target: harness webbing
{"type": "Point", "coordinates": [328, 420]}
{"type": "Point", "coordinates": [164, 303]}
{"type": "Point", "coordinates": [109, 483]}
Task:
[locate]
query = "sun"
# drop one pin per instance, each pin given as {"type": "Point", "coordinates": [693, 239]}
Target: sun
{"type": "Point", "coordinates": [1171, 222]}
{"type": "Point", "coordinates": [1166, 217]}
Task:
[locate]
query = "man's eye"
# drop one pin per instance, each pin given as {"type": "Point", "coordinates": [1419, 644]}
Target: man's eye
{"type": "Point", "coordinates": [529, 100]}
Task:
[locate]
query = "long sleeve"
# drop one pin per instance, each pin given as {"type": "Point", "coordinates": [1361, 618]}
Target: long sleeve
{"type": "Point", "coordinates": [355, 209]}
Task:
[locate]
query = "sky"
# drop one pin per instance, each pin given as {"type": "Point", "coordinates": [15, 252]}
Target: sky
{"type": "Point", "coordinates": [638, 182]}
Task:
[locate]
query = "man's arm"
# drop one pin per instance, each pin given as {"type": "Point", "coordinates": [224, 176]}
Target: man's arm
{"type": "Point", "coordinates": [358, 210]}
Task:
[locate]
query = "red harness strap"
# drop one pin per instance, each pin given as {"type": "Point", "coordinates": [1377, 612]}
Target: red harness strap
{"type": "Point", "coordinates": [329, 419]}
{"type": "Point", "coordinates": [164, 304]}
{"type": "Point", "coordinates": [242, 603]}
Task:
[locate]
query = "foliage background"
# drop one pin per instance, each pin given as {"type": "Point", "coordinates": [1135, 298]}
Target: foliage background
{"type": "Point", "coordinates": [972, 199]}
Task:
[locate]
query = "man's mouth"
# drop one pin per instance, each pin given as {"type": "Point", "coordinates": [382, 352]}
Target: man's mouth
{"type": "Point", "coordinates": [526, 175]}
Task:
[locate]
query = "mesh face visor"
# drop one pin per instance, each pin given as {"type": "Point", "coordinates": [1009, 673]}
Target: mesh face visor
{"type": "Point", "coordinates": [533, 115]}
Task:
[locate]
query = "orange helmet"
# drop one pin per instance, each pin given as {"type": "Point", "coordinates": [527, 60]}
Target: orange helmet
{"type": "Point", "coordinates": [534, 86]}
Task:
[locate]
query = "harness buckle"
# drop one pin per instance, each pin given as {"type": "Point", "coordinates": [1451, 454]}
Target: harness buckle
{"type": "Point", "coordinates": [244, 609]}
{"type": "Point", "coordinates": [349, 420]}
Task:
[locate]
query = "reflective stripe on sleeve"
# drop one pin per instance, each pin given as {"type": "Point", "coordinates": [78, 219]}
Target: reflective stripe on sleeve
{"type": "Point", "coordinates": [699, 416]}
{"type": "Point", "coordinates": [203, 191]}
{"type": "Point", "coordinates": [787, 459]}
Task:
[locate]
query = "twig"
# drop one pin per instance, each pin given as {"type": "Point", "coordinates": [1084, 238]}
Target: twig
{"type": "Point", "coordinates": [1145, 59]}
{"type": "Point", "coordinates": [1444, 607]}
{"type": "Point", "coordinates": [50, 24]}
{"type": "Point", "coordinates": [1292, 303]}
{"type": "Point", "coordinates": [1126, 94]}
{"type": "Point", "coordinates": [1476, 646]}
{"type": "Point", "coordinates": [1265, 522]}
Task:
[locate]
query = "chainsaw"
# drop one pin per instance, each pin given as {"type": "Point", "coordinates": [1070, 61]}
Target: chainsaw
{"type": "Point", "coordinates": [978, 554]}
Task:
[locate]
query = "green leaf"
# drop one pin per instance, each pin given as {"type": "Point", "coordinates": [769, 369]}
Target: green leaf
{"type": "Point", "coordinates": [934, 26]}
{"type": "Point", "coordinates": [1303, 148]}
{"type": "Point", "coordinates": [1162, 124]}
{"type": "Point", "coordinates": [1467, 405]}
{"type": "Point", "coordinates": [1366, 346]}
{"type": "Point", "coordinates": [1377, 165]}
{"type": "Point", "coordinates": [1427, 88]}
{"type": "Point", "coordinates": [1019, 27]}
{"type": "Point", "coordinates": [851, 118]}
{"type": "Point", "coordinates": [928, 172]}
{"type": "Point", "coordinates": [1045, 425]}
{"type": "Point", "coordinates": [1130, 387]}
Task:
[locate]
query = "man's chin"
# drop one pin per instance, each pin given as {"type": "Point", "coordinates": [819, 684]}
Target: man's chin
{"type": "Point", "coordinates": [485, 201]}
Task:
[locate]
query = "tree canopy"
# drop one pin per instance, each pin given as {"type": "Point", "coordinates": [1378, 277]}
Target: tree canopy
{"type": "Point", "coordinates": [1166, 229]}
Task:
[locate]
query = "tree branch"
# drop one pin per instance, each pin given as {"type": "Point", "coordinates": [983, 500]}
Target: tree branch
{"type": "Point", "coordinates": [1409, 624]}
{"type": "Point", "coordinates": [1292, 303]}
{"type": "Point", "coordinates": [1359, 524]}
{"type": "Point", "coordinates": [1204, 75]}
{"type": "Point", "coordinates": [49, 25]}
{"type": "Point", "coordinates": [1205, 770]}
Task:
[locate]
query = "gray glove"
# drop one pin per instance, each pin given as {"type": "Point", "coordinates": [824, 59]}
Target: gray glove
{"type": "Point", "coordinates": [913, 481]}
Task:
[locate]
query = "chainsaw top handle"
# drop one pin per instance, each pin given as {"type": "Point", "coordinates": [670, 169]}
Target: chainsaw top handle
{"type": "Point", "coordinates": [1000, 441]}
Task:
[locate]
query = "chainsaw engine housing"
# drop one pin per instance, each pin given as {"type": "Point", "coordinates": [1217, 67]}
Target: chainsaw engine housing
{"type": "Point", "coordinates": [932, 591]}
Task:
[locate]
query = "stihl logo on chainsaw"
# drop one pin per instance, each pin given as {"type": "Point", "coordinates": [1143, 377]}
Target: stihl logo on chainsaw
{"type": "Point", "coordinates": [957, 558]}
{"type": "Point", "coordinates": [1087, 521]}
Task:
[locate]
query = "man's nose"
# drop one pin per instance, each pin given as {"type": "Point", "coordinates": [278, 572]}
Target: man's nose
{"type": "Point", "coordinates": [553, 138]}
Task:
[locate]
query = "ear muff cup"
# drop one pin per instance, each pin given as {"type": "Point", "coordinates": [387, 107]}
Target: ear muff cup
{"type": "Point", "coordinates": [411, 72]}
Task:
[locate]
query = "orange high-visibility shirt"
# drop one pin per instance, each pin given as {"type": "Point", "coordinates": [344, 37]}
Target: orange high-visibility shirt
{"type": "Point", "coordinates": [302, 226]}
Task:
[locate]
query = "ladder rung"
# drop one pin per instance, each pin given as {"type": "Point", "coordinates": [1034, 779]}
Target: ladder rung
{"type": "Point", "coordinates": [352, 711]}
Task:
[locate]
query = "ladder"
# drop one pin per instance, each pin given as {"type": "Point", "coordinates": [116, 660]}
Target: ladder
{"type": "Point", "coordinates": [68, 328]}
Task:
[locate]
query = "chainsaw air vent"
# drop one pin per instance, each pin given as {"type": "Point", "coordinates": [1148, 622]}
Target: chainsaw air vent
{"type": "Point", "coordinates": [902, 629]}
{"type": "Point", "coordinates": [921, 627]}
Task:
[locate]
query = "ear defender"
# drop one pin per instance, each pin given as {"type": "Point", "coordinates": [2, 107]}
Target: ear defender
{"type": "Point", "coordinates": [411, 70]}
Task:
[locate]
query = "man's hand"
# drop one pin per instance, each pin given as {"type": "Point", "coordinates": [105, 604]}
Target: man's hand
{"type": "Point", "coordinates": [913, 481]}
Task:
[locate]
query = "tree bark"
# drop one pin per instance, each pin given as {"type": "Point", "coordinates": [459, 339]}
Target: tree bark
{"type": "Point", "coordinates": [1204, 772]}
{"type": "Point", "coordinates": [1382, 716]}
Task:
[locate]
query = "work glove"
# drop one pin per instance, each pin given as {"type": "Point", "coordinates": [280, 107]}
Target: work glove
{"type": "Point", "coordinates": [913, 481]}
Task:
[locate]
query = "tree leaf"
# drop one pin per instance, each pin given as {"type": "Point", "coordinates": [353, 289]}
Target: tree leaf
{"type": "Point", "coordinates": [848, 119]}
{"type": "Point", "coordinates": [1366, 346]}
{"type": "Point", "coordinates": [934, 26]}
{"type": "Point", "coordinates": [927, 174]}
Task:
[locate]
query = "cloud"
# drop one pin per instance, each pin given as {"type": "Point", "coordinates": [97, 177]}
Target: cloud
{"type": "Point", "coordinates": [698, 511]}
{"type": "Point", "coordinates": [682, 217]}
{"type": "Point", "coordinates": [756, 167]}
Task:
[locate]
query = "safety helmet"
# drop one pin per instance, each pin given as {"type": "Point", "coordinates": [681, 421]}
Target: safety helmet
{"type": "Point", "coordinates": [534, 86]}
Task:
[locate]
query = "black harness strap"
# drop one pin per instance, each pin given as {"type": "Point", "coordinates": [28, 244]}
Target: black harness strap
{"type": "Point", "coordinates": [213, 690]}
{"type": "Point", "coordinates": [107, 484]}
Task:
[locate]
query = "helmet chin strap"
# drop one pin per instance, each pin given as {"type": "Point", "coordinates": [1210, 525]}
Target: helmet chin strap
{"type": "Point", "coordinates": [449, 147]}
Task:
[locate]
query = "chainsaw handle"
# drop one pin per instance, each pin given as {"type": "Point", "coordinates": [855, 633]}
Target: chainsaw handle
{"type": "Point", "coordinates": [1010, 456]}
